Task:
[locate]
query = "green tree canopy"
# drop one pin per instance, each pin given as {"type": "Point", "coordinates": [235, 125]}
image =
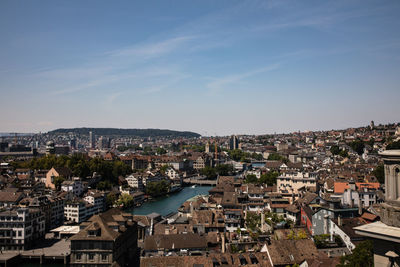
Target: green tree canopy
{"type": "Point", "coordinates": [251, 179]}
{"type": "Point", "coordinates": [379, 173]}
{"type": "Point", "coordinates": [126, 201]}
{"type": "Point", "coordinates": [358, 146]}
{"type": "Point", "coordinates": [362, 256]}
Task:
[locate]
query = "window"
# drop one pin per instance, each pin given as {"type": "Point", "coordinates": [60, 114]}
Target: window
{"type": "Point", "coordinates": [103, 257]}
{"type": "Point", "coordinates": [78, 256]}
{"type": "Point", "coordinates": [91, 256]}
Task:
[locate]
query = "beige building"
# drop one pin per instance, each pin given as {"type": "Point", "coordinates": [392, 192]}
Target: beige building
{"type": "Point", "coordinates": [289, 183]}
{"type": "Point", "coordinates": [56, 172]}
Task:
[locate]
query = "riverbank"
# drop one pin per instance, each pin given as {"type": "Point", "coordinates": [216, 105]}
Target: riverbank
{"type": "Point", "coordinates": [169, 203]}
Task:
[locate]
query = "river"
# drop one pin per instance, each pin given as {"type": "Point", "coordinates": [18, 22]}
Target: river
{"type": "Point", "coordinates": [170, 203]}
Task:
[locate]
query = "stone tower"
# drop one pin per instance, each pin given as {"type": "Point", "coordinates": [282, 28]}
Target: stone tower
{"type": "Point", "coordinates": [390, 214]}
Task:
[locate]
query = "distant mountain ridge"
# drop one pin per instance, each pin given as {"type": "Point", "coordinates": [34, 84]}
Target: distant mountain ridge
{"type": "Point", "coordinates": [127, 132]}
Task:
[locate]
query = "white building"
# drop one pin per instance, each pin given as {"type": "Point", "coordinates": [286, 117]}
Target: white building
{"type": "Point", "coordinates": [364, 196]}
{"type": "Point", "coordinates": [96, 199]}
{"type": "Point", "coordinates": [135, 181]}
{"type": "Point", "coordinates": [20, 228]}
{"type": "Point", "coordinates": [78, 210]}
{"type": "Point", "coordinates": [75, 186]}
{"type": "Point", "coordinates": [172, 173]}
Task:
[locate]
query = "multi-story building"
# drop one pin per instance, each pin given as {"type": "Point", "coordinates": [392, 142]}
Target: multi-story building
{"type": "Point", "coordinates": [57, 211]}
{"type": "Point", "coordinates": [106, 239]}
{"type": "Point", "coordinates": [135, 181]}
{"type": "Point", "coordinates": [77, 210]}
{"type": "Point", "coordinates": [10, 198]}
{"type": "Point", "coordinates": [97, 199]}
{"type": "Point", "coordinates": [75, 186]}
{"type": "Point", "coordinates": [20, 228]}
{"type": "Point", "coordinates": [233, 142]}
{"type": "Point", "coordinates": [289, 183]}
{"type": "Point", "coordinates": [92, 140]}
{"type": "Point", "coordinates": [56, 172]}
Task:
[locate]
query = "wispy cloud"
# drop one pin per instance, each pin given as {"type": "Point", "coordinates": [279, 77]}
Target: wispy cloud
{"type": "Point", "coordinates": [149, 50]}
{"type": "Point", "coordinates": [221, 83]}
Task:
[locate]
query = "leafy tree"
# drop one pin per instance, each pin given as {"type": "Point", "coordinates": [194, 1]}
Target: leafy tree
{"type": "Point", "coordinates": [157, 188]}
{"type": "Point", "coordinates": [164, 168]}
{"type": "Point", "coordinates": [209, 172]}
{"type": "Point", "coordinates": [224, 169]}
{"type": "Point", "coordinates": [111, 199]}
{"type": "Point", "coordinates": [276, 156]}
{"type": "Point", "coordinates": [125, 200]}
{"type": "Point", "coordinates": [362, 256]}
{"type": "Point", "coordinates": [58, 181]}
{"type": "Point", "coordinates": [344, 153]}
{"type": "Point", "coordinates": [321, 241]}
{"type": "Point", "coordinates": [358, 146]}
{"type": "Point", "coordinates": [393, 145]}
{"type": "Point", "coordinates": [251, 179]}
{"type": "Point", "coordinates": [104, 185]}
{"type": "Point", "coordinates": [161, 151]}
{"type": "Point", "coordinates": [269, 178]}
{"type": "Point", "coordinates": [335, 150]}
{"type": "Point", "coordinates": [253, 220]}
{"type": "Point", "coordinates": [379, 173]}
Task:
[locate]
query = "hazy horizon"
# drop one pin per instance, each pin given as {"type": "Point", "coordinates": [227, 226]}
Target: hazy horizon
{"type": "Point", "coordinates": [211, 67]}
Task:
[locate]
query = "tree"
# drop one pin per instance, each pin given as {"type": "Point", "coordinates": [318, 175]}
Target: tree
{"type": "Point", "coordinates": [251, 179]}
{"type": "Point", "coordinates": [58, 181]}
{"type": "Point", "coordinates": [362, 256]}
{"type": "Point", "coordinates": [157, 188]}
{"type": "Point", "coordinates": [344, 153]}
{"type": "Point", "coordinates": [161, 151]}
{"type": "Point", "coordinates": [209, 172]}
{"type": "Point", "coordinates": [335, 150]}
{"type": "Point", "coordinates": [276, 156]}
{"type": "Point", "coordinates": [111, 199]}
{"type": "Point", "coordinates": [358, 146]}
{"type": "Point", "coordinates": [269, 178]}
{"type": "Point", "coordinates": [164, 168]}
{"type": "Point", "coordinates": [104, 185]}
{"type": "Point", "coordinates": [379, 173]}
{"type": "Point", "coordinates": [224, 169]}
{"type": "Point", "coordinates": [393, 145]}
{"type": "Point", "coordinates": [126, 201]}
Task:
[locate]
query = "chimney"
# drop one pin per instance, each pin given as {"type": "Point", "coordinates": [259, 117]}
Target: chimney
{"type": "Point", "coordinates": [326, 224]}
{"type": "Point", "coordinates": [223, 243]}
{"type": "Point", "coordinates": [262, 221]}
{"type": "Point", "coordinates": [191, 209]}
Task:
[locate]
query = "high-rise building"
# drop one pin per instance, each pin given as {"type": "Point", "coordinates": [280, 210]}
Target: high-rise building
{"type": "Point", "coordinates": [92, 140]}
{"type": "Point", "coordinates": [207, 149]}
{"type": "Point", "coordinates": [233, 142]}
{"type": "Point", "coordinates": [104, 142]}
{"type": "Point", "coordinates": [72, 143]}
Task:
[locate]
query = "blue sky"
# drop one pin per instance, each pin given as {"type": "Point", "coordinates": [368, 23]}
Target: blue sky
{"type": "Point", "coordinates": [213, 67]}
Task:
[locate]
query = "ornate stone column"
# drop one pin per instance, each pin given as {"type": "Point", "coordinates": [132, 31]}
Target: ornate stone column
{"type": "Point", "coordinates": [390, 213]}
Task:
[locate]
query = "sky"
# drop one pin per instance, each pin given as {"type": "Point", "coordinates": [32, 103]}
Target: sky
{"type": "Point", "coordinates": [212, 67]}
